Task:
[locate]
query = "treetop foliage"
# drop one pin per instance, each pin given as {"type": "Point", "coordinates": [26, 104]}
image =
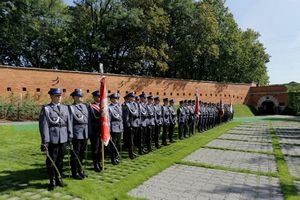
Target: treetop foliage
{"type": "Point", "coordinates": [169, 38]}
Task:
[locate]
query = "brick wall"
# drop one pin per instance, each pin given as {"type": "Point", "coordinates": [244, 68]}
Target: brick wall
{"type": "Point", "coordinates": [36, 82]}
{"type": "Point", "coordinates": [278, 93]}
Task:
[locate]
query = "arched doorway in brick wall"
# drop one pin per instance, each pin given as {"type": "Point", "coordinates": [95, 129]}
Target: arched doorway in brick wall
{"type": "Point", "coordinates": [268, 105]}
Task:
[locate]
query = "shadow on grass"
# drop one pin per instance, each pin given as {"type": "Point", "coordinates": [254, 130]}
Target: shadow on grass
{"type": "Point", "coordinates": [23, 179]}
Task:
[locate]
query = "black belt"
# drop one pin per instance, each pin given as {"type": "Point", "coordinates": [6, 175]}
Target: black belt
{"type": "Point", "coordinates": [80, 123]}
{"type": "Point", "coordinates": [58, 125]}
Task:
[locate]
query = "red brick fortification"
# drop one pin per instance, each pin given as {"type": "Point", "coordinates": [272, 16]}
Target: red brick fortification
{"type": "Point", "coordinates": [36, 82]}
{"type": "Point", "coordinates": [20, 81]}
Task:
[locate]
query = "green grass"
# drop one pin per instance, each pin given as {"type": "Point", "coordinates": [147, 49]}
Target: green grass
{"type": "Point", "coordinates": [22, 163]}
{"type": "Point", "coordinates": [286, 180]}
{"type": "Point", "coordinates": [241, 110]}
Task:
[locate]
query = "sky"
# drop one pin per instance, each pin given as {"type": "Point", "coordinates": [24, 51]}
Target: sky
{"type": "Point", "coordinates": [278, 22]}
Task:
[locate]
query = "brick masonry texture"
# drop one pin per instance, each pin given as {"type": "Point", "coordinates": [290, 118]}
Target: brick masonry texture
{"type": "Point", "coordinates": [36, 82]}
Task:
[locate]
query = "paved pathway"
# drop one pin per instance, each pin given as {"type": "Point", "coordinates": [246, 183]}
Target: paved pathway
{"type": "Point", "coordinates": [234, 159]}
{"type": "Point", "coordinates": [185, 181]}
{"type": "Point", "coordinates": [188, 182]}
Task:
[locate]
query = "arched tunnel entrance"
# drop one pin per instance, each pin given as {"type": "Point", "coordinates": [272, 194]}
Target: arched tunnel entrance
{"type": "Point", "coordinates": [268, 108]}
{"type": "Point", "coordinates": [268, 105]}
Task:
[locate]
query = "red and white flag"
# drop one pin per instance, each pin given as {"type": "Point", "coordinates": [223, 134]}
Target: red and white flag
{"type": "Point", "coordinates": [104, 115]}
{"type": "Point", "coordinates": [197, 107]}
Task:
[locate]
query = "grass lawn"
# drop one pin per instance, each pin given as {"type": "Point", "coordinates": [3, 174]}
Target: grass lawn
{"type": "Point", "coordinates": [22, 168]}
{"type": "Point", "coordinates": [241, 110]}
{"type": "Point", "coordinates": [23, 174]}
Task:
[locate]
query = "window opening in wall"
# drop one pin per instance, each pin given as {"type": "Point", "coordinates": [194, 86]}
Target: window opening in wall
{"type": "Point", "coordinates": [64, 90]}
{"type": "Point", "coordinates": [8, 89]}
{"type": "Point", "coordinates": [109, 91]}
{"type": "Point", "coordinates": [38, 89]}
{"type": "Point", "coordinates": [171, 93]}
{"type": "Point", "coordinates": [24, 89]}
{"type": "Point", "coordinates": [87, 91]}
{"type": "Point", "coordinates": [157, 93]}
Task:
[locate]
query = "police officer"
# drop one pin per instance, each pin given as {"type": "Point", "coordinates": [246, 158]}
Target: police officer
{"type": "Point", "coordinates": [116, 126]}
{"type": "Point", "coordinates": [56, 131]}
{"type": "Point", "coordinates": [144, 122]}
{"type": "Point", "coordinates": [79, 118]}
{"type": "Point", "coordinates": [158, 121]}
{"type": "Point", "coordinates": [187, 113]}
{"type": "Point", "coordinates": [191, 120]}
{"type": "Point", "coordinates": [95, 131]}
{"type": "Point", "coordinates": [132, 122]}
{"type": "Point", "coordinates": [173, 120]}
{"type": "Point", "coordinates": [150, 123]}
{"type": "Point", "coordinates": [165, 120]}
{"type": "Point", "coordinates": [205, 117]}
{"type": "Point", "coordinates": [181, 116]}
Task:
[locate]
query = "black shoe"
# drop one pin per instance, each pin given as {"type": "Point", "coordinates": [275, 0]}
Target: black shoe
{"type": "Point", "coordinates": [59, 182]}
{"type": "Point", "coordinates": [77, 176]}
{"type": "Point", "coordinates": [52, 184]}
{"type": "Point", "coordinates": [114, 162]}
{"type": "Point", "coordinates": [117, 160]}
{"type": "Point", "coordinates": [97, 167]}
{"type": "Point", "coordinates": [82, 174]}
{"type": "Point", "coordinates": [145, 151]}
{"type": "Point", "coordinates": [157, 146]}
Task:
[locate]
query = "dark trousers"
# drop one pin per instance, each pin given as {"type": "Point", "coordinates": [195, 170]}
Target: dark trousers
{"type": "Point", "coordinates": [171, 132]}
{"type": "Point", "coordinates": [191, 126]}
{"type": "Point", "coordinates": [181, 130]}
{"type": "Point", "coordinates": [132, 133]}
{"type": "Point", "coordinates": [114, 145]}
{"type": "Point", "coordinates": [77, 155]}
{"type": "Point", "coordinates": [148, 137]}
{"type": "Point", "coordinates": [156, 135]}
{"type": "Point", "coordinates": [57, 153]}
{"type": "Point", "coordinates": [186, 129]}
{"type": "Point", "coordinates": [96, 149]}
{"type": "Point", "coordinates": [139, 139]}
{"type": "Point", "coordinates": [164, 134]}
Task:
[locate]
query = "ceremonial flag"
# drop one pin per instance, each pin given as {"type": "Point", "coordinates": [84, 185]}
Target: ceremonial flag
{"type": "Point", "coordinates": [104, 116]}
{"type": "Point", "coordinates": [197, 108]}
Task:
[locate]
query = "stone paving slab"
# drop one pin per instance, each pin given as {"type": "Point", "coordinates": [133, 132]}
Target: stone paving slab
{"type": "Point", "coordinates": [189, 182]}
{"type": "Point", "coordinates": [234, 159]}
{"type": "Point", "coordinates": [290, 149]}
{"type": "Point", "coordinates": [293, 165]}
{"type": "Point", "coordinates": [248, 132]}
{"type": "Point", "coordinates": [259, 138]}
{"type": "Point", "coordinates": [241, 145]}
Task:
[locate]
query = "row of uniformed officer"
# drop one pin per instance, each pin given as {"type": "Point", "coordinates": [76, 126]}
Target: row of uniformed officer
{"type": "Point", "coordinates": [61, 125]}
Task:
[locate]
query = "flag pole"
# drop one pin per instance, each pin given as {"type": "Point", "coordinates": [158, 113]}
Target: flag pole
{"type": "Point", "coordinates": [101, 71]}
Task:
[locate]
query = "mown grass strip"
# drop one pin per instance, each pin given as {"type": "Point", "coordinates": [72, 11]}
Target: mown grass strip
{"type": "Point", "coordinates": [219, 167]}
{"type": "Point", "coordinates": [239, 150]}
{"type": "Point", "coordinates": [286, 180]}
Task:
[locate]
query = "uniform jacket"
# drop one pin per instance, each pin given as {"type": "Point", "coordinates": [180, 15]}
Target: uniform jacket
{"type": "Point", "coordinates": [94, 123]}
{"type": "Point", "coordinates": [115, 118]}
{"type": "Point", "coordinates": [54, 124]}
{"type": "Point", "coordinates": [79, 116]}
{"type": "Point", "coordinates": [158, 115]}
{"type": "Point", "coordinates": [165, 115]}
{"type": "Point", "coordinates": [131, 114]}
{"type": "Point", "coordinates": [151, 114]}
{"type": "Point", "coordinates": [173, 117]}
{"type": "Point", "coordinates": [181, 114]}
